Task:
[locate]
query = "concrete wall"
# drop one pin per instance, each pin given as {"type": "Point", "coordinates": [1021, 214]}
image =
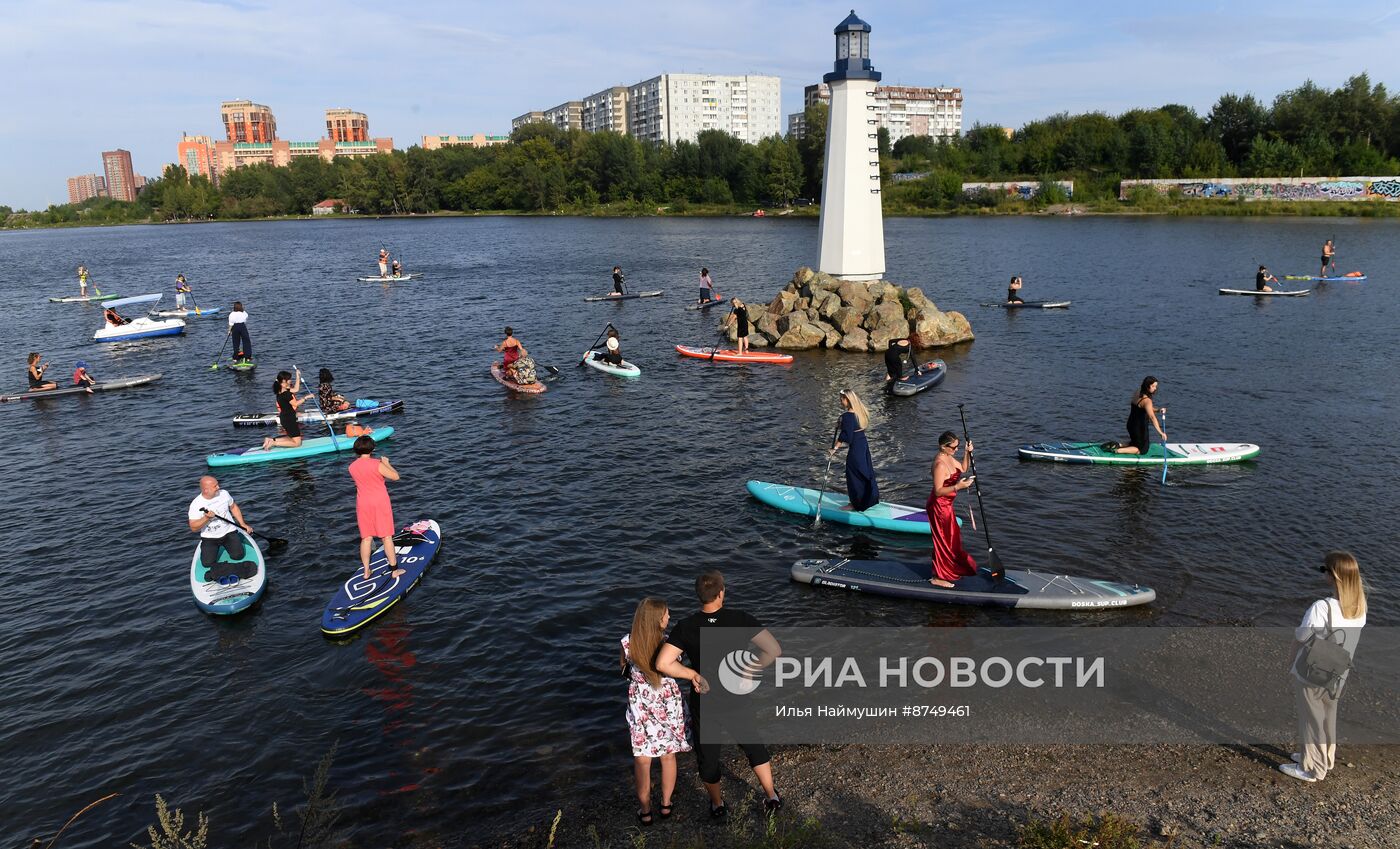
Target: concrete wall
{"type": "Point", "coordinates": [1024, 190]}
{"type": "Point", "coordinates": [1275, 188]}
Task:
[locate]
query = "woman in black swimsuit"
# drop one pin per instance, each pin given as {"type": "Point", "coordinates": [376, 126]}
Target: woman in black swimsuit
{"type": "Point", "coordinates": [1139, 414]}
{"type": "Point", "coordinates": [286, 389]}
{"type": "Point", "coordinates": [896, 355]}
{"type": "Point", "coordinates": [1013, 291]}
{"type": "Point", "coordinates": [36, 374]}
{"type": "Point", "coordinates": [739, 313]}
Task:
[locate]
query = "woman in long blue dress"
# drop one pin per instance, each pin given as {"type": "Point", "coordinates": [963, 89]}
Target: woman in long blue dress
{"type": "Point", "coordinates": [861, 488]}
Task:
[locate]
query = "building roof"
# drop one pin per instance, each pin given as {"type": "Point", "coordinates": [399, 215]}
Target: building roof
{"type": "Point", "coordinates": [852, 23]}
{"type": "Point", "coordinates": [329, 203]}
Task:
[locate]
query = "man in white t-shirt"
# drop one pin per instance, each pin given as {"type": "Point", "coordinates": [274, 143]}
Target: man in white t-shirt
{"type": "Point", "coordinates": [209, 516]}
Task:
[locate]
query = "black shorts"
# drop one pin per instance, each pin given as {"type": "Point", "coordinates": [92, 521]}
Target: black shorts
{"type": "Point", "coordinates": [290, 425]}
{"type": "Point", "coordinates": [707, 755]}
{"type": "Point", "coordinates": [1327, 259]}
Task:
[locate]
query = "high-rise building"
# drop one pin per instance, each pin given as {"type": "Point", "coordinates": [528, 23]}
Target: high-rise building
{"type": "Point", "coordinates": [346, 125]}
{"type": "Point", "coordinates": [196, 155]}
{"type": "Point", "coordinates": [566, 116]}
{"type": "Point", "coordinates": [230, 155]}
{"type": "Point", "coordinates": [86, 186]}
{"type": "Point", "coordinates": [675, 107]}
{"type": "Point", "coordinates": [246, 121]}
{"type": "Point", "coordinates": [476, 140]}
{"type": "Point", "coordinates": [121, 179]}
{"type": "Point", "coordinates": [902, 110]}
{"type": "Point", "coordinates": [535, 117]}
{"type": "Point", "coordinates": [606, 110]}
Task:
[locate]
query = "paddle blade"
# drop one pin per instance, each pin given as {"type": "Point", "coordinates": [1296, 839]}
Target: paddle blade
{"type": "Point", "coordinates": [553, 370]}
{"type": "Point", "coordinates": [275, 545]}
{"type": "Point", "coordinates": [998, 571]}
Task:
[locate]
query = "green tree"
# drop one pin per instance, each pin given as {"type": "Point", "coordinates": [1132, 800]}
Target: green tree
{"type": "Point", "coordinates": [1234, 121]}
{"type": "Point", "coordinates": [812, 148]}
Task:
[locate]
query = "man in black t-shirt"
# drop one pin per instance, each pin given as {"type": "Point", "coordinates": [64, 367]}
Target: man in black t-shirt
{"type": "Point", "coordinates": [685, 639]}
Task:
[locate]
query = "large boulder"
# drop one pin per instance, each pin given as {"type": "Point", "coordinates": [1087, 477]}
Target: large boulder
{"type": "Point", "coordinates": [824, 282]}
{"type": "Point", "coordinates": [784, 323]}
{"type": "Point", "coordinates": [918, 301]}
{"type": "Point", "coordinates": [880, 337]}
{"type": "Point", "coordinates": [884, 315]}
{"type": "Point", "coordinates": [783, 303]}
{"type": "Point", "coordinates": [879, 289]}
{"type": "Point", "coordinates": [767, 324]}
{"type": "Point", "coordinates": [800, 337]}
{"type": "Point", "coordinates": [857, 340]}
{"type": "Point", "coordinates": [803, 276]}
{"type": "Point", "coordinates": [833, 337]}
{"type": "Point", "coordinates": [940, 328]}
{"type": "Point", "coordinates": [829, 305]}
{"type": "Point", "coordinates": [855, 295]}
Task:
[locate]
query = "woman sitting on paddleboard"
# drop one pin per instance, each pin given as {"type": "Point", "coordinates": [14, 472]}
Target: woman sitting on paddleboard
{"type": "Point", "coordinates": [613, 354]}
{"type": "Point", "coordinates": [950, 561]}
{"type": "Point", "coordinates": [1139, 414]}
{"type": "Point", "coordinates": [286, 389]}
{"type": "Point", "coordinates": [326, 396]}
{"type": "Point", "coordinates": [36, 374]}
{"type": "Point", "coordinates": [896, 355]}
{"type": "Point", "coordinates": [861, 487]}
{"type": "Point", "coordinates": [1013, 291]}
{"type": "Point", "coordinates": [739, 314]}
{"type": "Point", "coordinates": [373, 511]}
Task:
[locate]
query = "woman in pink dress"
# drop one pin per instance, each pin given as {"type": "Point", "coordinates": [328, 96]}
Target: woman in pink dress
{"type": "Point", "coordinates": [950, 561]}
{"type": "Point", "coordinates": [372, 508]}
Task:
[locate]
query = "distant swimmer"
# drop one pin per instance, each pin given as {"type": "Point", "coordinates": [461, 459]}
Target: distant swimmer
{"type": "Point", "coordinates": [1262, 279]}
{"type": "Point", "coordinates": [37, 381]}
{"type": "Point", "coordinates": [1013, 291]}
{"type": "Point", "coordinates": [1329, 258]}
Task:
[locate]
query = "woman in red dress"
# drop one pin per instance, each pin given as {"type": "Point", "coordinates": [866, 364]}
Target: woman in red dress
{"type": "Point", "coordinates": [950, 561]}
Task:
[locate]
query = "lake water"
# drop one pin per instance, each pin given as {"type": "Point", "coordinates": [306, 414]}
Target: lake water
{"type": "Point", "coordinates": [491, 693]}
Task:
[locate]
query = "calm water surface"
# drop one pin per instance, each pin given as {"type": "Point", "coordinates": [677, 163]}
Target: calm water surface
{"type": "Point", "coordinates": [491, 693]}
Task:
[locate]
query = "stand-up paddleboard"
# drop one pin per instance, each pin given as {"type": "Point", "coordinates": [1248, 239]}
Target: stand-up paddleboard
{"type": "Point", "coordinates": [591, 359]}
{"type": "Point", "coordinates": [704, 305]}
{"type": "Point", "coordinates": [1018, 588]}
{"type": "Point", "coordinates": [314, 416]}
{"type": "Point", "coordinates": [232, 585]}
{"type": "Point", "coordinates": [1031, 305]}
{"type": "Point", "coordinates": [185, 313]}
{"type": "Point", "coordinates": [729, 355]}
{"type": "Point", "coordinates": [307, 448]}
{"type": "Point", "coordinates": [104, 386]}
{"type": "Point", "coordinates": [359, 601]}
{"type": "Point", "coordinates": [627, 297]}
{"type": "Point", "coordinates": [83, 299]}
{"type": "Point", "coordinates": [883, 516]}
{"type": "Point", "coordinates": [927, 376]}
{"type": "Point", "coordinates": [1179, 453]}
{"type": "Point", "coordinates": [1342, 278]}
{"type": "Point", "coordinates": [242, 365]}
{"type": "Point", "coordinates": [1295, 293]}
{"type": "Point", "coordinates": [390, 279]}
{"type": "Point", "coordinates": [528, 388]}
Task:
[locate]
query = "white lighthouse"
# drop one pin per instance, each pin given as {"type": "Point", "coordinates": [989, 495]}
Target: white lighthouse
{"type": "Point", "coordinates": [851, 235]}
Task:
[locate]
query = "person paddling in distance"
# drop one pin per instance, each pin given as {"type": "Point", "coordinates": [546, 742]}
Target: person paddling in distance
{"type": "Point", "coordinates": [1329, 257]}
{"type": "Point", "coordinates": [950, 560]}
{"type": "Point", "coordinates": [861, 489]}
{"type": "Point", "coordinates": [383, 262]}
{"type": "Point", "coordinates": [707, 287]}
{"type": "Point", "coordinates": [396, 269]}
{"type": "Point", "coordinates": [1338, 618]}
{"type": "Point", "coordinates": [896, 355]}
{"type": "Point", "coordinates": [655, 708]}
{"type": "Point", "coordinates": [286, 387]}
{"type": "Point", "coordinates": [1139, 414]}
{"type": "Point", "coordinates": [82, 281]}
{"type": "Point", "coordinates": [37, 381]}
{"type": "Point", "coordinates": [1013, 291]}
{"type": "Point", "coordinates": [739, 316]}
{"type": "Point", "coordinates": [82, 377]}
{"type": "Point", "coordinates": [182, 288]}
{"type": "Point", "coordinates": [209, 516]}
{"type": "Point", "coordinates": [511, 352]}
{"type": "Point", "coordinates": [330, 400]}
{"type": "Point", "coordinates": [1262, 279]}
{"type": "Point", "coordinates": [619, 282]}
{"type": "Point", "coordinates": [238, 329]}
{"type": "Point", "coordinates": [612, 355]}
{"type": "Point", "coordinates": [373, 511]}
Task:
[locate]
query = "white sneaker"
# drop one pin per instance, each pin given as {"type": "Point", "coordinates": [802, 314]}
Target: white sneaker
{"type": "Point", "coordinates": [1297, 758]}
{"type": "Point", "coordinates": [1295, 771]}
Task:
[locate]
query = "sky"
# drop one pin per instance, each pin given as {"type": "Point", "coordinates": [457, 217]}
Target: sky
{"type": "Point", "coordinates": [91, 75]}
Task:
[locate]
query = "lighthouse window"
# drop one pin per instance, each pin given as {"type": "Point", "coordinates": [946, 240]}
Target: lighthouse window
{"type": "Point", "coordinates": [842, 47]}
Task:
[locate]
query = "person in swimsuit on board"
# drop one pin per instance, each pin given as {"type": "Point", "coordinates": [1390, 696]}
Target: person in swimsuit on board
{"type": "Point", "coordinates": [619, 281]}
{"type": "Point", "coordinates": [1140, 413]}
{"type": "Point", "coordinates": [739, 316]}
{"type": "Point", "coordinates": [1013, 291]}
{"type": "Point", "coordinates": [1329, 257]}
{"type": "Point", "coordinates": [37, 382]}
{"type": "Point", "coordinates": [1262, 279]}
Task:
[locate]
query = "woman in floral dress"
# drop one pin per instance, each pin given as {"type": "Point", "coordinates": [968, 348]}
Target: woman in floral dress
{"type": "Point", "coordinates": [655, 710]}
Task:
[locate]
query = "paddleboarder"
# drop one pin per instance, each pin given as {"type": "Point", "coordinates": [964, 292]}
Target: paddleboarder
{"type": "Point", "coordinates": [182, 289]}
{"type": "Point", "coordinates": [82, 377]}
{"type": "Point", "coordinates": [950, 560]}
{"type": "Point", "coordinates": [397, 269]}
{"type": "Point", "coordinates": [286, 387]}
{"type": "Point", "coordinates": [516, 364]}
{"type": "Point", "coordinates": [707, 287]}
{"type": "Point", "coordinates": [1262, 279]}
{"type": "Point", "coordinates": [619, 282]}
{"type": "Point", "coordinates": [1140, 413]}
{"type": "Point", "coordinates": [206, 518]}
{"type": "Point", "coordinates": [326, 396]}
{"type": "Point", "coordinates": [383, 262]}
{"type": "Point", "coordinates": [861, 487]}
{"type": "Point", "coordinates": [238, 329]}
{"type": "Point", "coordinates": [739, 315]}
{"type": "Point", "coordinates": [37, 381]}
{"type": "Point", "coordinates": [1329, 257]}
{"type": "Point", "coordinates": [1013, 291]}
{"type": "Point", "coordinates": [82, 281]}
{"type": "Point", "coordinates": [656, 716]}
{"type": "Point", "coordinates": [373, 512]}
{"type": "Point", "coordinates": [896, 355]}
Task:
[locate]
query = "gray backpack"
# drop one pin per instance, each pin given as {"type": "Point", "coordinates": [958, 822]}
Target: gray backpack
{"type": "Point", "coordinates": [1324, 661]}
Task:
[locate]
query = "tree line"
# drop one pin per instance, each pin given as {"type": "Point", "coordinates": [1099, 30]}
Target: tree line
{"type": "Point", "coordinates": [1306, 131]}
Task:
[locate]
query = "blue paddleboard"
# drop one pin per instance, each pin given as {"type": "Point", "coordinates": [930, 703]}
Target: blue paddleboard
{"type": "Point", "coordinates": [359, 602]}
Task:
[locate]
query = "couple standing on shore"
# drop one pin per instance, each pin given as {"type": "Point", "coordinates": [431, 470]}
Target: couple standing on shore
{"type": "Point", "coordinates": [661, 723]}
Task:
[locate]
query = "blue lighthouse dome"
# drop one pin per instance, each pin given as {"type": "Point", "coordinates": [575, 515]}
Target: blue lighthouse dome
{"type": "Point", "coordinates": [852, 52]}
{"type": "Point", "coordinates": [852, 23]}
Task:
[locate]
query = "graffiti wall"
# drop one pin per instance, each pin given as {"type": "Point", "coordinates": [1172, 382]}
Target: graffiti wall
{"type": "Point", "coordinates": [1023, 190]}
{"type": "Point", "coordinates": [1274, 188]}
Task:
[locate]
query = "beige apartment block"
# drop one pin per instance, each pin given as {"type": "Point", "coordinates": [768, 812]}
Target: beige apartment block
{"type": "Point", "coordinates": [475, 140]}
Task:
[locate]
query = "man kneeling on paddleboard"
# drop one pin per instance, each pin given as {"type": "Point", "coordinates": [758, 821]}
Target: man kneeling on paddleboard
{"type": "Point", "coordinates": [209, 516]}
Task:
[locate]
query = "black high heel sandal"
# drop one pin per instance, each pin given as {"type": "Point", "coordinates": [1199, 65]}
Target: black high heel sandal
{"type": "Point", "coordinates": [644, 818]}
{"type": "Point", "coordinates": [666, 811]}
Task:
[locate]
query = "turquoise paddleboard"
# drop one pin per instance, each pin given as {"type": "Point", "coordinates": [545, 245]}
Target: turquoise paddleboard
{"type": "Point", "coordinates": [883, 516]}
{"type": "Point", "coordinates": [308, 448]}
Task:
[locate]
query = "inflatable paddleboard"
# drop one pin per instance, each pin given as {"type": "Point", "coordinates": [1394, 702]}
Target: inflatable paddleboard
{"type": "Point", "coordinates": [1179, 453]}
{"type": "Point", "coordinates": [359, 601]}
{"type": "Point", "coordinates": [308, 448]}
{"type": "Point", "coordinates": [591, 359]}
{"type": "Point", "coordinates": [627, 297]}
{"type": "Point", "coordinates": [314, 416]}
{"type": "Point", "coordinates": [883, 516]}
{"type": "Point", "coordinates": [185, 313]}
{"type": "Point", "coordinates": [391, 278]}
{"type": "Point", "coordinates": [1017, 588]}
{"type": "Point", "coordinates": [242, 365]}
{"type": "Point", "coordinates": [104, 386]}
{"type": "Point", "coordinates": [1031, 305]}
{"type": "Point", "coordinates": [729, 355]}
{"type": "Point", "coordinates": [81, 299]}
{"type": "Point", "coordinates": [1290, 294]}
{"type": "Point", "coordinates": [528, 388]}
{"type": "Point", "coordinates": [929, 375]}
{"type": "Point", "coordinates": [704, 305]}
{"type": "Point", "coordinates": [232, 585]}
{"type": "Point", "coordinates": [1352, 277]}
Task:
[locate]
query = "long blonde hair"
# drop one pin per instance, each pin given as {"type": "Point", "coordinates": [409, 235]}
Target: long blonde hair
{"type": "Point", "coordinates": [645, 640]}
{"type": "Point", "coordinates": [1346, 574]}
{"type": "Point", "coordinates": [862, 414]}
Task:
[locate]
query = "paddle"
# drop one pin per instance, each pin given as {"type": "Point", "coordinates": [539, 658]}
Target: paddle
{"type": "Point", "coordinates": [273, 543]}
{"type": "Point", "coordinates": [594, 345]}
{"type": "Point", "coordinates": [826, 478]}
{"type": "Point", "coordinates": [1165, 455]}
{"type": "Point", "coordinates": [330, 426]}
{"type": "Point", "coordinates": [227, 336]}
{"type": "Point", "coordinates": [997, 571]}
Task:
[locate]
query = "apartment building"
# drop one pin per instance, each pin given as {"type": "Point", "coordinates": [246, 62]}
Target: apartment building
{"type": "Point", "coordinates": [85, 187]}
{"type": "Point", "coordinates": [566, 116]}
{"type": "Point", "coordinates": [675, 107]}
{"type": "Point", "coordinates": [475, 140]}
{"type": "Point", "coordinates": [519, 121]}
{"type": "Point", "coordinates": [230, 155]}
{"type": "Point", "coordinates": [196, 154]}
{"type": "Point", "coordinates": [347, 125]}
{"type": "Point", "coordinates": [903, 110]}
{"type": "Point", "coordinates": [606, 110]}
{"type": "Point", "coordinates": [120, 178]}
{"type": "Point", "coordinates": [246, 121]}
